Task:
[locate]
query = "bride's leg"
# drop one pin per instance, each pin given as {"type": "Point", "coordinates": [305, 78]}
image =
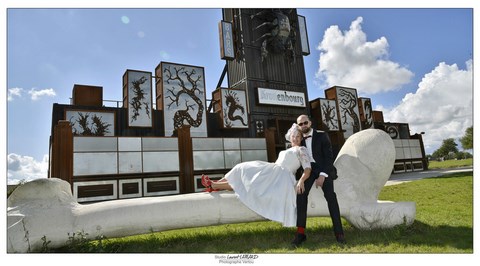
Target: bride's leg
{"type": "Point", "coordinates": [221, 185]}
{"type": "Point", "coordinates": [223, 179]}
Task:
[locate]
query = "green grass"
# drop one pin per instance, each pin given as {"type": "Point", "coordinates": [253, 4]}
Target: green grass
{"type": "Point", "coordinates": [443, 224]}
{"type": "Point", "coordinates": [450, 163]}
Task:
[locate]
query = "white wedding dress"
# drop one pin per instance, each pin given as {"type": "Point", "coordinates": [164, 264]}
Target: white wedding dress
{"type": "Point", "coordinates": [269, 188]}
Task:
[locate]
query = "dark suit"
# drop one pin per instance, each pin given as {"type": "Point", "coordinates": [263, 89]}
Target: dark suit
{"type": "Point", "coordinates": [323, 156]}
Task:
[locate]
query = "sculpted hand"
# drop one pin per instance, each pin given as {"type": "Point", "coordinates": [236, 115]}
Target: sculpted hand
{"type": "Point", "coordinates": [319, 181]}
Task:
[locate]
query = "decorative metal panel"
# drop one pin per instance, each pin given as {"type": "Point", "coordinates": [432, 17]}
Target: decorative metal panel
{"type": "Point", "coordinates": [367, 111]}
{"type": "Point", "coordinates": [184, 100]}
{"type": "Point", "coordinates": [91, 123]}
{"type": "Point", "coordinates": [234, 108]}
{"type": "Point", "coordinates": [139, 95]}
{"type": "Point", "coordinates": [392, 131]}
{"type": "Point", "coordinates": [329, 114]}
{"type": "Point", "coordinates": [348, 110]}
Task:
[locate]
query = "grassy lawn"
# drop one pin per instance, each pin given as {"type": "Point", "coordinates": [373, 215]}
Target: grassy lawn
{"type": "Point", "coordinates": [450, 163]}
{"type": "Point", "coordinates": [443, 224]}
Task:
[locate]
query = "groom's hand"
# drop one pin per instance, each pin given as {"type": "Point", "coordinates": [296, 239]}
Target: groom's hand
{"type": "Point", "coordinates": [319, 181]}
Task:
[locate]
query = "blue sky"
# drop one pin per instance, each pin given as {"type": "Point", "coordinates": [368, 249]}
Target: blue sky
{"type": "Point", "coordinates": [414, 63]}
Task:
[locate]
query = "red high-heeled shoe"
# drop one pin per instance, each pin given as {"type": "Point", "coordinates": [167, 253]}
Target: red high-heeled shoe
{"type": "Point", "coordinates": [210, 189]}
{"type": "Point", "coordinates": [206, 182]}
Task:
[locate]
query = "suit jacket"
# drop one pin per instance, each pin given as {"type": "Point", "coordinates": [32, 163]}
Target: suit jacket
{"type": "Point", "coordinates": [322, 154]}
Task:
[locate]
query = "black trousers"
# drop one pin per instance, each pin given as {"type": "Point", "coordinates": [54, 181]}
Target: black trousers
{"type": "Point", "coordinates": [330, 196]}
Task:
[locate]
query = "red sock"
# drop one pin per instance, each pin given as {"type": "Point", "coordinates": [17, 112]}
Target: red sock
{"type": "Point", "coordinates": [301, 230]}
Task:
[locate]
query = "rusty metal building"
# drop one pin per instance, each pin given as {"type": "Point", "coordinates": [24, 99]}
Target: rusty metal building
{"type": "Point", "coordinates": [137, 148]}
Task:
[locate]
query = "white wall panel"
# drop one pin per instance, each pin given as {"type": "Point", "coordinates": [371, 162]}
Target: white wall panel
{"type": "Point", "coordinates": [232, 158]}
{"type": "Point", "coordinates": [207, 144]}
{"type": "Point", "coordinates": [231, 144]}
{"type": "Point", "coordinates": [129, 162]}
{"type": "Point", "coordinates": [89, 144]}
{"type": "Point", "coordinates": [160, 161]}
{"type": "Point", "coordinates": [204, 160]}
{"type": "Point", "coordinates": [102, 163]}
{"type": "Point", "coordinates": [129, 144]}
{"type": "Point", "coordinates": [253, 144]}
{"type": "Point", "coordinates": [254, 155]}
{"type": "Point", "coordinates": [160, 144]}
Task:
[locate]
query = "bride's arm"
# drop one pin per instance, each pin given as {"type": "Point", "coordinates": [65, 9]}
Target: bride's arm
{"type": "Point", "coordinates": [300, 187]}
{"type": "Point", "coordinates": [304, 159]}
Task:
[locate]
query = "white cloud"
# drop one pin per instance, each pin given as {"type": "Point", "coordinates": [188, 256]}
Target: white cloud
{"type": "Point", "coordinates": [25, 168]}
{"type": "Point", "coordinates": [347, 59]}
{"type": "Point", "coordinates": [14, 92]}
{"type": "Point", "coordinates": [442, 106]}
{"type": "Point", "coordinates": [37, 94]}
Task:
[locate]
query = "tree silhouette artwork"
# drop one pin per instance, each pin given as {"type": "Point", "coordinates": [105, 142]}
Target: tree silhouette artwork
{"type": "Point", "coordinates": [139, 100]}
{"type": "Point", "coordinates": [329, 114]}
{"type": "Point", "coordinates": [84, 125]}
{"type": "Point", "coordinates": [185, 96]}
{"type": "Point", "coordinates": [348, 103]}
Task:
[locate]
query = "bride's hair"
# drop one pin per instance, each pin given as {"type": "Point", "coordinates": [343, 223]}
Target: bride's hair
{"type": "Point", "coordinates": [293, 130]}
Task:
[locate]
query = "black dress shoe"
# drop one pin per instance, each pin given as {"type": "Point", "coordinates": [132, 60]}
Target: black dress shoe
{"type": "Point", "coordinates": [299, 239]}
{"type": "Point", "coordinates": [341, 238]}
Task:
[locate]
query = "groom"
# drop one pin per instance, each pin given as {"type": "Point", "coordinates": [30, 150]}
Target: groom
{"type": "Point", "coordinates": [323, 173]}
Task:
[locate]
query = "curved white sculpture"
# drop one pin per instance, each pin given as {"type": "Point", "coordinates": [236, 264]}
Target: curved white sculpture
{"type": "Point", "coordinates": [46, 207]}
{"type": "Point", "coordinates": [364, 165]}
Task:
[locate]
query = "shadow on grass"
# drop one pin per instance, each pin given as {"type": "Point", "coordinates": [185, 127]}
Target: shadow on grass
{"type": "Point", "coordinates": [419, 238]}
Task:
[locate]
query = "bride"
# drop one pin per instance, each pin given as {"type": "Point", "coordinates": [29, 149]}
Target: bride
{"type": "Point", "coordinates": [269, 189]}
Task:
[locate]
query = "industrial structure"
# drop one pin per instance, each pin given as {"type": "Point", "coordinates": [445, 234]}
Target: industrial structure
{"type": "Point", "coordinates": [166, 131]}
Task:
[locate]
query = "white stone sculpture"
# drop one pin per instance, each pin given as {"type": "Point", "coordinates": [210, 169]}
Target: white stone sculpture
{"type": "Point", "coordinates": [46, 207]}
{"type": "Point", "coordinates": [364, 165]}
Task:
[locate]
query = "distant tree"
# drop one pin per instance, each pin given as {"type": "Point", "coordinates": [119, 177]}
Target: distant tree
{"type": "Point", "coordinates": [448, 147]}
{"type": "Point", "coordinates": [467, 139]}
{"type": "Point", "coordinates": [436, 155]}
{"type": "Point", "coordinates": [463, 155]}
